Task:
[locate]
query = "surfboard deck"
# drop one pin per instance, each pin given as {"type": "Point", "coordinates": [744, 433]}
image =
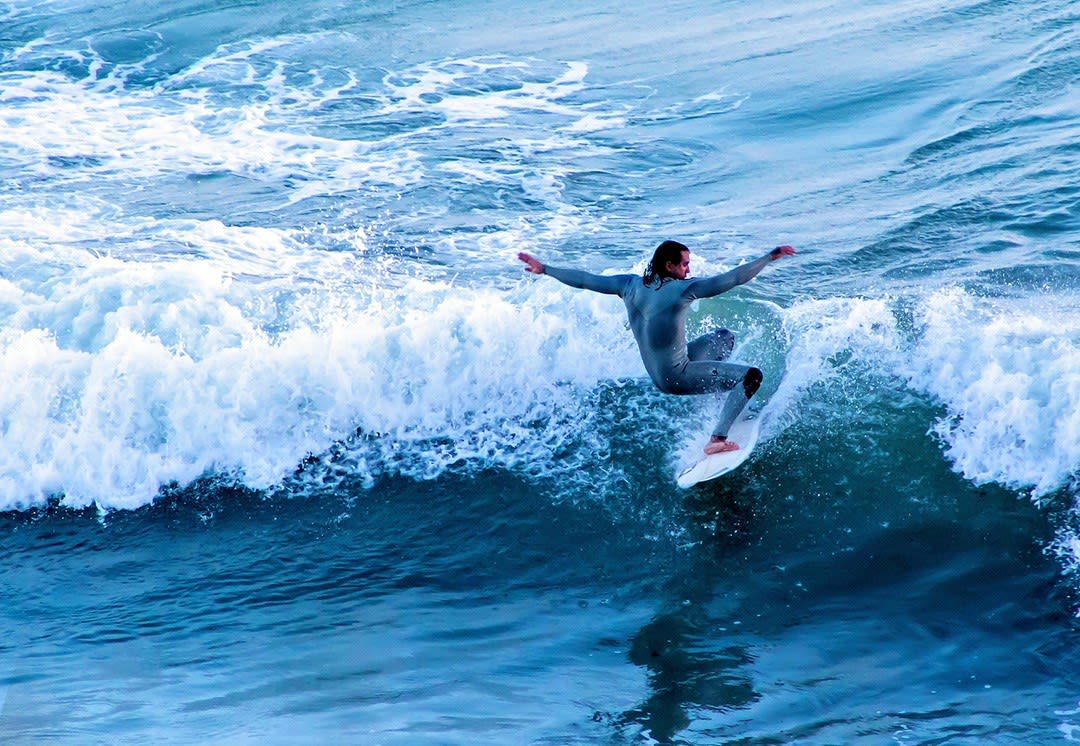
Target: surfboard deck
{"type": "Point", "coordinates": [745, 433]}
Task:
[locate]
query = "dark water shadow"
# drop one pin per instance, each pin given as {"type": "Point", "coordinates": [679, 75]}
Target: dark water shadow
{"type": "Point", "coordinates": [692, 660]}
{"type": "Point", "coordinates": [954, 580]}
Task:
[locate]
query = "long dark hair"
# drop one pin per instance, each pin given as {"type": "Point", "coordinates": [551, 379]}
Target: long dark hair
{"type": "Point", "coordinates": [668, 251]}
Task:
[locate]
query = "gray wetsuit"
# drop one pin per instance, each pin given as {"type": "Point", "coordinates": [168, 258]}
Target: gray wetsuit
{"type": "Point", "coordinates": [657, 314]}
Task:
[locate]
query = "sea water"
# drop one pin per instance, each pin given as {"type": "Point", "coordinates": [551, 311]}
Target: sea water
{"type": "Point", "coordinates": [294, 452]}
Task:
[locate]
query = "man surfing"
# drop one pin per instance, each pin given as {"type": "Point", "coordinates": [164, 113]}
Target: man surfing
{"type": "Point", "coordinates": [657, 304]}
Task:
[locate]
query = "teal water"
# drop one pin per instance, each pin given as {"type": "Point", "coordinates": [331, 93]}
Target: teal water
{"type": "Point", "coordinates": [294, 451]}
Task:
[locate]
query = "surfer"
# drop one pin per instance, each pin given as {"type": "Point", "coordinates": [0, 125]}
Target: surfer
{"type": "Point", "coordinates": [657, 304]}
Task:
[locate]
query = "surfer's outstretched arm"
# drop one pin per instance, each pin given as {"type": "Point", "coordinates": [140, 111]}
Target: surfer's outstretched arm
{"type": "Point", "coordinates": [707, 287]}
{"type": "Point", "coordinates": [576, 278]}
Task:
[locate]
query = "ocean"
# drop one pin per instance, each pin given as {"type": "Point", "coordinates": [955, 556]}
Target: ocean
{"type": "Point", "coordinates": [294, 452]}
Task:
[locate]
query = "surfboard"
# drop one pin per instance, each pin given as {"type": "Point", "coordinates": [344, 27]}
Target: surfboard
{"type": "Point", "coordinates": [745, 433]}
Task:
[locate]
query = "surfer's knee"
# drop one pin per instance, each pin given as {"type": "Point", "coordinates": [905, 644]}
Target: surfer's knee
{"type": "Point", "coordinates": [716, 345]}
{"type": "Point", "coordinates": [752, 381]}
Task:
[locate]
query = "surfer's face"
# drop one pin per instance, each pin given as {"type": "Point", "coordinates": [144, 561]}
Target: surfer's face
{"type": "Point", "coordinates": [681, 270]}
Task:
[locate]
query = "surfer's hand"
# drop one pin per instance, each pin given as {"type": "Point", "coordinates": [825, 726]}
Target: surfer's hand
{"type": "Point", "coordinates": [532, 264]}
{"type": "Point", "coordinates": [780, 251]}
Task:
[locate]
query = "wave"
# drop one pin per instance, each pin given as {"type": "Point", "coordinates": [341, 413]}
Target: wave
{"type": "Point", "coordinates": [1001, 369]}
{"type": "Point", "coordinates": [124, 377]}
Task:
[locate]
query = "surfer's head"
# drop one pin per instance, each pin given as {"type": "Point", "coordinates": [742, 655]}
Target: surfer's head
{"type": "Point", "coordinates": [671, 260]}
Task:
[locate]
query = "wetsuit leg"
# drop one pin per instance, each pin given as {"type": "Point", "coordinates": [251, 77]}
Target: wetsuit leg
{"type": "Point", "coordinates": [716, 345]}
{"type": "Point", "coordinates": [714, 376]}
{"type": "Point", "coordinates": [736, 401]}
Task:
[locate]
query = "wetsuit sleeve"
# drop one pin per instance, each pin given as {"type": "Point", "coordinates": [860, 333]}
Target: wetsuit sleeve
{"type": "Point", "coordinates": [576, 278]}
{"type": "Point", "coordinates": [707, 287]}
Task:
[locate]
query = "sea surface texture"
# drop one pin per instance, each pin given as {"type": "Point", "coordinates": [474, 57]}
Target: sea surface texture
{"type": "Point", "coordinates": [293, 452]}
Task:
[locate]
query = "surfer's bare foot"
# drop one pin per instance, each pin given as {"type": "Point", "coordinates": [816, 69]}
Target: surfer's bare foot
{"type": "Point", "coordinates": [720, 445]}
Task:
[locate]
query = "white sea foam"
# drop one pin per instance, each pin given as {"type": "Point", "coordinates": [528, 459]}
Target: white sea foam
{"type": "Point", "coordinates": [821, 332]}
{"type": "Point", "coordinates": [109, 132]}
{"type": "Point", "coordinates": [1009, 374]}
{"type": "Point", "coordinates": [277, 132]}
{"type": "Point", "coordinates": [489, 89]}
{"type": "Point", "coordinates": [1006, 372]}
{"type": "Point", "coordinates": [120, 377]}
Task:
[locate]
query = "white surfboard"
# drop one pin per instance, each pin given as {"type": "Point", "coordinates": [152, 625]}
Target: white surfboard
{"type": "Point", "coordinates": [745, 433]}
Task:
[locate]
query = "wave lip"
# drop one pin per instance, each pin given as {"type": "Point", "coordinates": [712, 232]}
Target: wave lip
{"type": "Point", "coordinates": [1009, 376]}
{"type": "Point", "coordinates": [1005, 371]}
